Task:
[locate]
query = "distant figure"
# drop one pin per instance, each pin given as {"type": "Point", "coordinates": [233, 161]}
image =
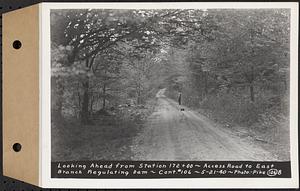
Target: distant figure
{"type": "Point", "coordinates": [179, 99]}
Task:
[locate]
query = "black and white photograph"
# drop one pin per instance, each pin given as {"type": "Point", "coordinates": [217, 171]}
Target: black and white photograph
{"type": "Point", "coordinates": [170, 84]}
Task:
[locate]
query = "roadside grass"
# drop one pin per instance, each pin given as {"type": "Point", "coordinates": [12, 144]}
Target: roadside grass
{"type": "Point", "coordinates": [109, 137]}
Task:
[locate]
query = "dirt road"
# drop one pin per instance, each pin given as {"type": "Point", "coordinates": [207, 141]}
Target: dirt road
{"type": "Point", "coordinates": [171, 134]}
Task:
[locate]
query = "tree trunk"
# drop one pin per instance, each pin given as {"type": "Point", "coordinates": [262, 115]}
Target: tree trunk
{"type": "Point", "coordinates": [57, 85]}
{"type": "Point", "coordinates": [252, 92]}
{"type": "Point", "coordinates": [85, 103]}
{"type": "Point", "coordinates": [252, 78]}
{"type": "Point", "coordinates": [79, 102]}
{"type": "Point", "coordinates": [60, 98]}
{"type": "Point", "coordinates": [285, 84]}
{"type": "Point", "coordinates": [138, 100]}
{"type": "Point", "coordinates": [139, 94]}
{"type": "Point", "coordinates": [104, 94]}
{"type": "Point", "coordinates": [205, 83]}
{"type": "Point", "coordinates": [91, 105]}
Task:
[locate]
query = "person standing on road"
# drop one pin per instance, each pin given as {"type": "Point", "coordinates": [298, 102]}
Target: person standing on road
{"type": "Point", "coordinates": [179, 99]}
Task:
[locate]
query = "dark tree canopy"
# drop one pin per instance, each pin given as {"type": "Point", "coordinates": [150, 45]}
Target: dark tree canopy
{"type": "Point", "coordinates": [113, 56]}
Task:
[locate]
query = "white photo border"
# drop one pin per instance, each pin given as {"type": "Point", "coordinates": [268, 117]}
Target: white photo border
{"type": "Point", "coordinates": [45, 104]}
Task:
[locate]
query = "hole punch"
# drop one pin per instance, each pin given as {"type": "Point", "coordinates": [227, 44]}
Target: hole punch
{"type": "Point", "coordinates": [17, 147]}
{"type": "Point", "coordinates": [17, 44]}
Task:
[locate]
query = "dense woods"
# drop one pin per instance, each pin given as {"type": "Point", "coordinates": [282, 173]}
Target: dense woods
{"type": "Point", "coordinates": [240, 76]}
{"type": "Point", "coordinates": [231, 65]}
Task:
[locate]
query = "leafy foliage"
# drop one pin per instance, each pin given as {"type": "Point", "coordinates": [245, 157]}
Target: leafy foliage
{"type": "Point", "coordinates": [234, 63]}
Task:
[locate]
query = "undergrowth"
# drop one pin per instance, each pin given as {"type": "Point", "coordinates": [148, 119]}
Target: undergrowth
{"type": "Point", "coordinates": [266, 119]}
{"type": "Point", "coordinates": [108, 137]}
